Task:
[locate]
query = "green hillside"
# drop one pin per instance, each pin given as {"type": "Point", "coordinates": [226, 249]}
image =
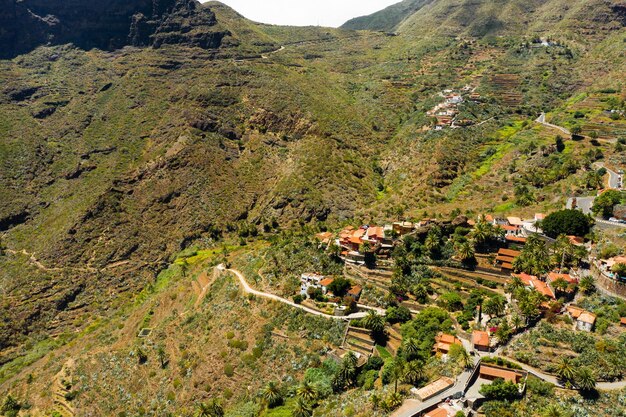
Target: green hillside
{"type": "Point", "coordinates": [388, 19]}
{"type": "Point", "coordinates": [117, 166]}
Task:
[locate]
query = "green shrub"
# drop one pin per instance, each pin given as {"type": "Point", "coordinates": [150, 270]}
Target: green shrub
{"type": "Point", "coordinates": [229, 371]}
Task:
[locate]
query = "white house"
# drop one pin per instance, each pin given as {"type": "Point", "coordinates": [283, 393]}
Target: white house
{"type": "Point", "coordinates": [586, 321]}
{"type": "Point", "coordinates": [309, 280]}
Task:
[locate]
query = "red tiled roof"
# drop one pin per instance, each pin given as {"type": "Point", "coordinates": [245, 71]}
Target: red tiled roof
{"type": "Point", "coordinates": [493, 372]}
{"type": "Point", "coordinates": [326, 282]}
{"type": "Point", "coordinates": [543, 288]}
{"type": "Point", "coordinates": [623, 321]}
{"type": "Point", "coordinates": [437, 412]}
{"type": "Point", "coordinates": [553, 276]}
{"type": "Point", "coordinates": [509, 252]}
{"type": "Point", "coordinates": [575, 240]}
{"type": "Point", "coordinates": [376, 231]}
{"type": "Point", "coordinates": [526, 279]}
{"type": "Point", "coordinates": [508, 259]}
{"type": "Point", "coordinates": [517, 239]}
{"type": "Point", "coordinates": [480, 338]}
{"type": "Point", "coordinates": [509, 227]}
{"type": "Point", "coordinates": [355, 290]}
{"type": "Point", "coordinates": [507, 265]}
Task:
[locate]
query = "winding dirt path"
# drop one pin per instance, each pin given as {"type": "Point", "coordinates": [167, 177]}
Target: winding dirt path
{"type": "Point", "coordinates": [249, 290]}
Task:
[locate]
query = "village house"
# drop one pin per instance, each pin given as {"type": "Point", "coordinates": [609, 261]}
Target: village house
{"type": "Point", "coordinates": [309, 280]}
{"type": "Point", "coordinates": [622, 322]}
{"type": "Point", "coordinates": [443, 343]}
{"type": "Point", "coordinates": [325, 283]}
{"type": "Point", "coordinates": [586, 321]}
{"type": "Point", "coordinates": [403, 228]}
{"type": "Point", "coordinates": [355, 292]}
{"type": "Point", "coordinates": [533, 282]}
{"type": "Point", "coordinates": [493, 372]}
{"type": "Point", "coordinates": [433, 389]}
{"type": "Point", "coordinates": [480, 341]}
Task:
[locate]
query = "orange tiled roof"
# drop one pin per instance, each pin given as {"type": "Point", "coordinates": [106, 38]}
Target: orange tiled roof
{"type": "Point", "coordinates": [543, 288]}
{"type": "Point", "coordinates": [509, 227]}
{"type": "Point", "coordinates": [355, 290]}
{"type": "Point", "coordinates": [509, 252]}
{"type": "Point", "coordinates": [623, 321]}
{"type": "Point", "coordinates": [326, 282]}
{"type": "Point", "coordinates": [517, 239]}
{"type": "Point", "coordinates": [376, 231]}
{"type": "Point", "coordinates": [480, 338]}
{"type": "Point", "coordinates": [587, 317]}
{"type": "Point", "coordinates": [494, 372]}
{"type": "Point", "coordinates": [574, 311]}
{"type": "Point", "coordinates": [553, 276]}
{"type": "Point", "coordinates": [437, 412]}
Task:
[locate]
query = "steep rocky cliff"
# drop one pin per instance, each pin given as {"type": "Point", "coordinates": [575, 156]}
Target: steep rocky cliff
{"type": "Point", "coordinates": [106, 24]}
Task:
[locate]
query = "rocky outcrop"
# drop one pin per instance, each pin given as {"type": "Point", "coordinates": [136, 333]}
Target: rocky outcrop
{"type": "Point", "coordinates": [105, 24]}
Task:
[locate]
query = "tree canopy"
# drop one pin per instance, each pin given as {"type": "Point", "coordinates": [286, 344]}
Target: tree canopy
{"type": "Point", "coordinates": [566, 222]}
{"type": "Point", "coordinates": [604, 204]}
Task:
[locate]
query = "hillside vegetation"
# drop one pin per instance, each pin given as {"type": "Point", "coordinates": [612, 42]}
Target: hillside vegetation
{"type": "Point", "coordinates": [113, 162]}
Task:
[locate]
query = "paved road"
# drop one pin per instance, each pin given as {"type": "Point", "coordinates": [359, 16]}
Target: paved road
{"type": "Point", "coordinates": [584, 204]}
{"type": "Point", "coordinates": [250, 290]}
{"type": "Point", "coordinates": [542, 120]}
{"type": "Point", "coordinates": [615, 179]}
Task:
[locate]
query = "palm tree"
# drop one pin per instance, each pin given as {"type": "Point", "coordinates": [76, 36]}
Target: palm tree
{"type": "Point", "coordinates": [465, 252]}
{"type": "Point", "coordinates": [560, 285]}
{"type": "Point", "coordinates": [413, 372]}
{"type": "Point", "coordinates": [516, 321]}
{"type": "Point", "coordinates": [411, 348]}
{"type": "Point", "coordinates": [162, 356]}
{"type": "Point", "coordinates": [481, 232]}
{"type": "Point", "coordinates": [515, 284]}
{"type": "Point", "coordinates": [397, 372]}
{"type": "Point", "coordinates": [271, 394]}
{"type": "Point", "coordinates": [307, 392]}
{"type": "Point", "coordinates": [347, 371]}
{"type": "Point", "coordinates": [302, 408]}
{"type": "Point", "coordinates": [211, 409]}
{"type": "Point", "coordinates": [585, 379]}
{"type": "Point", "coordinates": [587, 284]}
{"type": "Point", "coordinates": [374, 322]}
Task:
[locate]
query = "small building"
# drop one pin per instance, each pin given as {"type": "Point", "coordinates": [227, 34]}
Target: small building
{"type": "Point", "coordinates": [403, 228]}
{"type": "Point", "coordinates": [493, 372]}
{"type": "Point", "coordinates": [324, 237]}
{"type": "Point", "coordinates": [309, 280]}
{"type": "Point", "coordinates": [480, 341]}
{"type": "Point", "coordinates": [574, 311]}
{"type": "Point", "coordinates": [443, 343]}
{"type": "Point", "coordinates": [325, 283]}
{"type": "Point", "coordinates": [433, 389]}
{"type": "Point", "coordinates": [355, 292]}
{"type": "Point", "coordinates": [622, 322]}
{"type": "Point", "coordinates": [586, 321]}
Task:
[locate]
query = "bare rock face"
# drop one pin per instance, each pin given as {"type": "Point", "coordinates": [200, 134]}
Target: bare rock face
{"type": "Point", "coordinates": [105, 24]}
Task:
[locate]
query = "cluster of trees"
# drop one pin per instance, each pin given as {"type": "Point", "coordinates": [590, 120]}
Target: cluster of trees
{"type": "Point", "coordinates": [537, 258]}
{"type": "Point", "coordinates": [583, 378]}
{"type": "Point", "coordinates": [606, 202]}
